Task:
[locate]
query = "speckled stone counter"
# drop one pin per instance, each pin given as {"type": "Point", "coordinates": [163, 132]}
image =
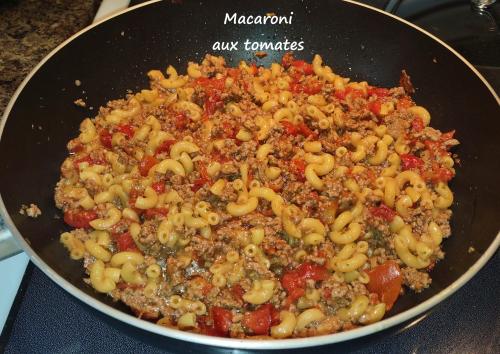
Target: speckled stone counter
{"type": "Point", "coordinates": [30, 29]}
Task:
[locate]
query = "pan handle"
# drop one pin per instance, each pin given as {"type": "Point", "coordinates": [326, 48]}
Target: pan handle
{"type": "Point", "coordinates": [8, 245]}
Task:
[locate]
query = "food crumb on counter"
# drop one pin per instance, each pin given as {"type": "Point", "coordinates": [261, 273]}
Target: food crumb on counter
{"type": "Point", "coordinates": [33, 211]}
{"type": "Point", "coordinates": [80, 103]}
{"type": "Point", "coordinates": [471, 250]}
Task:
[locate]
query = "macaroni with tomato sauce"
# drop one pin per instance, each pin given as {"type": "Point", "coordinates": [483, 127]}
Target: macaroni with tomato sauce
{"type": "Point", "coordinates": [285, 201]}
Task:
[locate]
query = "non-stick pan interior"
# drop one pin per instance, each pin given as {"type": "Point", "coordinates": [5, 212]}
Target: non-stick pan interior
{"type": "Point", "coordinates": [357, 42]}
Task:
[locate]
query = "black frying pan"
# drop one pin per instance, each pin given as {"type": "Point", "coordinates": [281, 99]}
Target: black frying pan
{"type": "Point", "coordinates": [356, 41]}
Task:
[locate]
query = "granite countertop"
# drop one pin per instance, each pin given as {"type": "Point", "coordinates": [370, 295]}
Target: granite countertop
{"type": "Point", "coordinates": [30, 29]}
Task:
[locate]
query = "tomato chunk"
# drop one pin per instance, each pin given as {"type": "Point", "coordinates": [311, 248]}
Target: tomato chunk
{"type": "Point", "coordinates": [298, 168]}
{"type": "Point", "coordinates": [375, 107]}
{"type": "Point", "coordinates": [349, 91]}
{"type": "Point", "coordinates": [151, 213]}
{"type": "Point", "coordinates": [306, 131]}
{"type": "Point", "coordinates": [212, 103]}
{"type": "Point", "coordinates": [303, 66]}
{"type": "Point", "coordinates": [210, 84]}
{"type": "Point", "coordinates": [439, 174]}
{"type": "Point", "coordinates": [198, 183]}
{"type": "Point", "coordinates": [383, 212]}
{"type": "Point", "coordinates": [385, 281]}
{"type": "Point", "coordinates": [205, 328]}
{"type": "Point", "coordinates": [237, 291]}
{"type": "Point", "coordinates": [126, 129]}
{"type": "Point", "coordinates": [181, 121]}
{"type": "Point", "coordinates": [417, 124]}
{"type": "Point", "coordinates": [125, 242]}
{"type": "Point", "coordinates": [410, 161]}
{"type": "Point", "coordinates": [229, 130]}
{"type": "Point", "coordinates": [222, 320]}
{"type": "Point", "coordinates": [294, 281]}
{"type": "Point", "coordinates": [311, 88]}
{"type": "Point", "coordinates": [234, 73]}
{"type": "Point", "coordinates": [146, 163]}
{"type": "Point", "coordinates": [105, 138]}
{"type": "Point", "coordinates": [299, 129]}
{"type": "Point", "coordinates": [79, 218]}
{"type": "Point", "coordinates": [378, 91]}
{"type": "Point", "coordinates": [290, 128]}
{"type": "Point", "coordinates": [259, 321]}
{"type": "Point", "coordinates": [159, 187]}
{"type": "Point", "coordinates": [165, 147]}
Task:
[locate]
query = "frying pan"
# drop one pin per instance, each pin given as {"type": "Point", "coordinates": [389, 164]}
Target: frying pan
{"type": "Point", "coordinates": [357, 41]}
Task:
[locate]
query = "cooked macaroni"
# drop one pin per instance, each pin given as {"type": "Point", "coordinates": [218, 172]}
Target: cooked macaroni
{"type": "Point", "coordinates": [240, 202]}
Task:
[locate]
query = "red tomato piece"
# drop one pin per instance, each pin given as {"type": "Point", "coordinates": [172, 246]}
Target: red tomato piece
{"type": "Point", "coordinates": [159, 187]}
{"type": "Point", "coordinates": [310, 88]}
{"type": "Point", "coordinates": [385, 281]}
{"type": "Point", "coordinates": [305, 130]}
{"type": "Point", "coordinates": [312, 271]}
{"type": "Point", "coordinates": [125, 242]}
{"type": "Point", "coordinates": [212, 103]}
{"type": "Point", "coordinates": [165, 147]}
{"type": "Point", "coordinates": [294, 295]}
{"type": "Point", "coordinates": [230, 131]}
{"type": "Point", "coordinates": [290, 128]}
{"type": "Point", "coordinates": [237, 291]}
{"type": "Point", "coordinates": [155, 212]}
{"type": "Point", "coordinates": [378, 91]}
{"type": "Point", "coordinates": [253, 69]}
{"type": "Point", "coordinates": [202, 169]}
{"type": "Point", "coordinates": [295, 87]}
{"type": "Point", "coordinates": [146, 163]}
{"type": "Point", "coordinates": [313, 87]}
{"type": "Point", "coordinates": [259, 321]}
{"type": "Point", "coordinates": [210, 84]}
{"type": "Point", "coordinates": [234, 73]}
{"type": "Point", "coordinates": [219, 156]}
{"type": "Point", "coordinates": [205, 328]}
{"type": "Point", "coordinates": [294, 281]}
{"type": "Point", "coordinates": [303, 66]}
{"type": "Point", "coordinates": [105, 138]}
{"type": "Point", "coordinates": [181, 121]}
{"type": "Point", "coordinates": [439, 174]}
{"type": "Point", "coordinates": [79, 218]}
{"type": "Point", "coordinates": [383, 212]}
{"type": "Point", "coordinates": [298, 168]}
{"type": "Point", "coordinates": [222, 320]}
{"type": "Point", "coordinates": [410, 161]}
{"type": "Point", "coordinates": [375, 107]}
{"type": "Point", "coordinates": [417, 124]}
{"type": "Point", "coordinates": [126, 129]}
{"type": "Point", "coordinates": [340, 94]}
{"type": "Point", "coordinates": [349, 91]}
{"type": "Point", "coordinates": [198, 183]}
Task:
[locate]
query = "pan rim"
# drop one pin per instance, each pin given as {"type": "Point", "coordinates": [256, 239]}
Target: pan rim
{"type": "Point", "coordinates": [231, 342]}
